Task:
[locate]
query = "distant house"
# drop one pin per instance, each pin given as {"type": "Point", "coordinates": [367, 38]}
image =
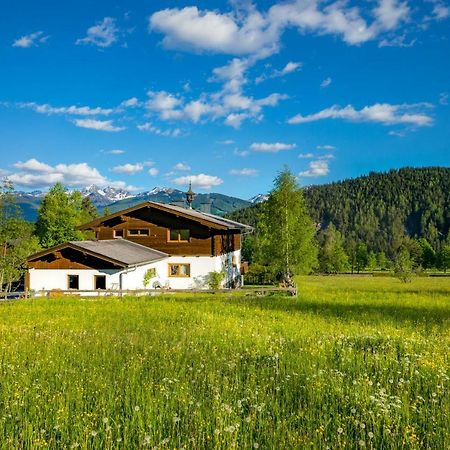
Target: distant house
{"type": "Point", "coordinates": [175, 246]}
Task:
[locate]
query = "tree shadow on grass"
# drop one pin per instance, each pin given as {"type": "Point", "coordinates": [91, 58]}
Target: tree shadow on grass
{"type": "Point", "coordinates": [365, 312]}
{"type": "Point", "coordinates": [370, 312]}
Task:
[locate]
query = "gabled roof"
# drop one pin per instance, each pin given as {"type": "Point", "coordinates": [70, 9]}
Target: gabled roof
{"type": "Point", "coordinates": [209, 220]}
{"type": "Point", "coordinates": [117, 251]}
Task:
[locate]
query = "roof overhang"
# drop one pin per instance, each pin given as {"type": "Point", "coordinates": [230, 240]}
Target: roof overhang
{"type": "Point", "coordinates": [209, 222]}
{"type": "Point", "coordinates": [73, 246]}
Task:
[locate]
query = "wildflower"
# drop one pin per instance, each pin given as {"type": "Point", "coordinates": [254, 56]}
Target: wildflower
{"type": "Point", "coordinates": [93, 433]}
{"type": "Point", "coordinates": [176, 419]}
{"type": "Point", "coordinates": [370, 434]}
{"type": "Point", "coordinates": [361, 443]}
{"type": "Point", "coordinates": [255, 445]}
{"type": "Point", "coordinates": [230, 429]}
{"type": "Point", "coordinates": [340, 430]}
{"type": "Point", "coordinates": [136, 408]}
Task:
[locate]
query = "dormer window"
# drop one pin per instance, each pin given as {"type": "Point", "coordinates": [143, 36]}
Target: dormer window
{"type": "Point", "coordinates": [138, 232]}
{"type": "Point", "coordinates": [178, 235]}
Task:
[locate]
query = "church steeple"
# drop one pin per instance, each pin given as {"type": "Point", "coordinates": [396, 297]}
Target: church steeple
{"type": "Point", "coordinates": [190, 196]}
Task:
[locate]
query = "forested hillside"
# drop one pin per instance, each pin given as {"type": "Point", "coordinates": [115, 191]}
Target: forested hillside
{"type": "Point", "coordinates": [381, 208]}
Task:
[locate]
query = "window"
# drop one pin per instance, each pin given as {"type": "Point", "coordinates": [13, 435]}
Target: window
{"type": "Point", "coordinates": [73, 282]}
{"type": "Point", "coordinates": [179, 270]}
{"type": "Point", "coordinates": [178, 236]}
{"type": "Point", "coordinates": [100, 281]}
{"type": "Point", "coordinates": [139, 232]}
{"type": "Point", "coordinates": [118, 233]}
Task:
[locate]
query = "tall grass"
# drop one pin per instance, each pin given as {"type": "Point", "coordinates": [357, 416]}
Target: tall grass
{"type": "Point", "coordinates": [350, 363]}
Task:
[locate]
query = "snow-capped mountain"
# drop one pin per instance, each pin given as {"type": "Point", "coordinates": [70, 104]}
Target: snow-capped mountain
{"type": "Point", "coordinates": [258, 198]}
{"type": "Point", "coordinates": [116, 199]}
{"type": "Point", "coordinates": [104, 196]}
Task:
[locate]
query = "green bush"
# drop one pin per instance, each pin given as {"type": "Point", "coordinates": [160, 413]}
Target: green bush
{"type": "Point", "coordinates": [214, 279]}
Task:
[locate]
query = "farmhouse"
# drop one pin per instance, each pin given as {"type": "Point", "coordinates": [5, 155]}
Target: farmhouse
{"type": "Point", "coordinates": [169, 246]}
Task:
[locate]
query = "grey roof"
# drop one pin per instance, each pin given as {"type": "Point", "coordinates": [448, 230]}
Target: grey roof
{"type": "Point", "coordinates": [205, 216]}
{"type": "Point", "coordinates": [126, 252]}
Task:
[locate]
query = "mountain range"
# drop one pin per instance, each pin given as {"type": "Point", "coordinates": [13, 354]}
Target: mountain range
{"type": "Point", "coordinates": [116, 199]}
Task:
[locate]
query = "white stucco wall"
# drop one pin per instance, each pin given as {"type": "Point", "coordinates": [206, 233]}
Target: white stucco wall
{"type": "Point", "coordinates": [132, 278]}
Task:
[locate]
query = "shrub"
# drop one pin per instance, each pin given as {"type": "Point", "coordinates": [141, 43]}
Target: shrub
{"type": "Point", "coordinates": [214, 279]}
{"type": "Point", "coordinates": [403, 267]}
{"type": "Point", "coordinates": [259, 274]}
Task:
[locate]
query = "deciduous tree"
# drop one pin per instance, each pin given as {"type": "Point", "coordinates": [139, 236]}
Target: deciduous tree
{"type": "Point", "coordinates": [16, 238]}
{"type": "Point", "coordinates": [58, 217]}
{"type": "Point", "coordinates": [332, 256]}
{"type": "Point", "coordinates": [285, 230]}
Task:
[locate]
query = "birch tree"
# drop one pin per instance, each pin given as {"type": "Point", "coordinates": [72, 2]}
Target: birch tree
{"type": "Point", "coordinates": [286, 231]}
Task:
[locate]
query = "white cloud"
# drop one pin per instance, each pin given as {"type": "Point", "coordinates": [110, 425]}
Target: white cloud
{"type": "Point", "coordinates": [244, 172]}
{"type": "Point", "coordinates": [390, 13]}
{"type": "Point", "coordinates": [235, 120]}
{"type": "Point", "coordinates": [164, 103]}
{"type": "Point", "coordinates": [327, 156]}
{"type": "Point", "coordinates": [182, 167]}
{"type": "Point", "coordinates": [226, 142]}
{"type": "Point", "coordinates": [247, 31]}
{"type": "Point", "coordinates": [153, 171]}
{"type": "Point", "coordinates": [130, 103]}
{"type": "Point", "coordinates": [33, 165]}
{"type": "Point", "coordinates": [100, 125]}
{"type": "Point", "coordinates": [271, 147]}
{"type": "Point", "coordinates": [232, 74]}
{"type": "Point", "coordinates": [201, 181]}
{"type": "Point", "coordinates": [306, 155]}
{"type": "Point", "coordinates": [440, 11]}
{"type": "Point", "coordinates": [317, 168]}
{"type": "Point", "coordinates": [131, 169]}
{"type": "Point", "coordinates": [31, 40]}
{"type": "Point", "coordinates": [383, 113]}
{"type": "Point", "coordinates": [103, 34]}
{"type": "Point", "coordinates": [397, 133]}
{"type": "Point", "coordinates": [69, 110]}
{"type": "Point", "coordinates": [228, 103]}
{"type": "Point", "coordinates": [241, 153]}
{"type": "Point", "coordinates": [326, 147]}
{"type": "Point", "coordinates": [209, 31]}
{"type": "Point", "coordinates": [325, 83]}
{"type": "Point", "coordinates": [116, 151]}
{"type": "Point", "coordinates": [397, 41]}
{"type": "Point", "coordinates": [34, 174]}
{"type": "Point", "coordinates": [290, 67]}
{"type": "Point", "coordinates": [149, 127]}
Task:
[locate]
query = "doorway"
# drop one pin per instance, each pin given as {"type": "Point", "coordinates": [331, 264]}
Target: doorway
{"type": "Point", "coordinates": [99, 281]}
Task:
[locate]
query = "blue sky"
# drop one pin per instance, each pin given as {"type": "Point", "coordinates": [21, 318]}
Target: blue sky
{"type": "Point", "coordinates": [221, 93]}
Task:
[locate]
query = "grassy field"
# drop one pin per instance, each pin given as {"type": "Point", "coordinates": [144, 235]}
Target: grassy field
{"type": "Point", "coordinates": [350, 363]}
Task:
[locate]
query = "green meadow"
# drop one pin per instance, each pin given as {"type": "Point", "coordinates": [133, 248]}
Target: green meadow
{"type": "Point", "coordinates": [351, 363]}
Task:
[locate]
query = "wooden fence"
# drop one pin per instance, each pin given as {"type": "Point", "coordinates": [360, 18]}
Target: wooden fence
{"type": "Point", "coordinates": [56, 293]}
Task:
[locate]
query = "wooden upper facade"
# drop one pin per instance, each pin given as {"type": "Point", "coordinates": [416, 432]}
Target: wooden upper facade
{"type": "Point", "coordinates": [171, 229]}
